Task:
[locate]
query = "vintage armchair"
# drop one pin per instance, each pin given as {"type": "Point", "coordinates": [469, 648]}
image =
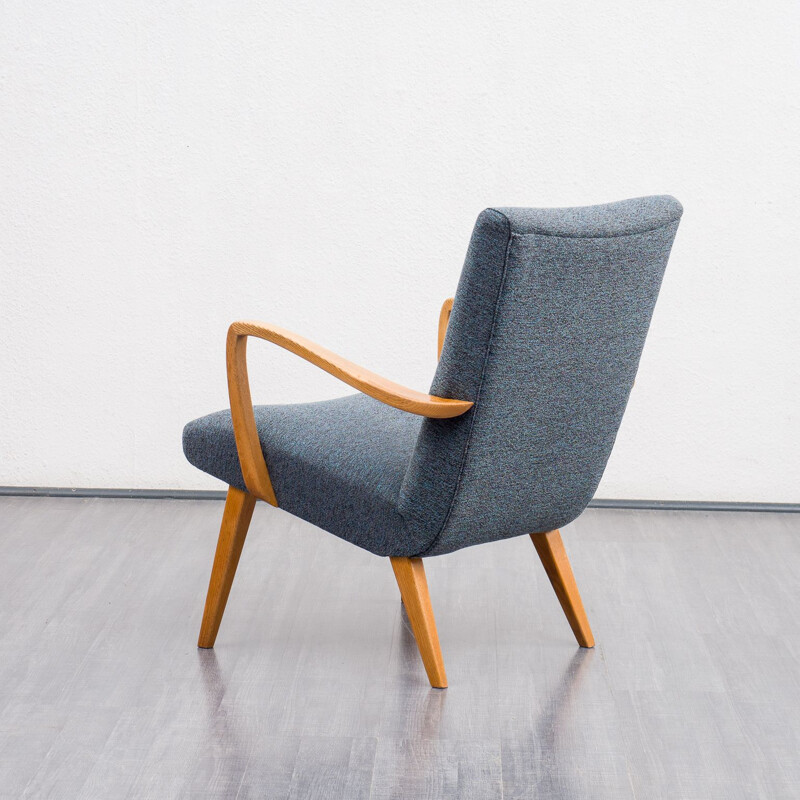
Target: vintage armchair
{"type": "Point", "coordinates": [538, 353]}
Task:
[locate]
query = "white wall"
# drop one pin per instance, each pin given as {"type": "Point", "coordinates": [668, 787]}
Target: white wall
{"type": "Point", "coordinates": [169, 167]}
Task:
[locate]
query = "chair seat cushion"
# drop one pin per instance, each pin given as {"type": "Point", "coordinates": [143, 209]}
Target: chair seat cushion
{"type": "Point", "coordinates": [338, 464]}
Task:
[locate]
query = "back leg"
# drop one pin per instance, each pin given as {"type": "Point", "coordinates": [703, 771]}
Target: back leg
{"type": "Point", "coordinates": [556, 564]}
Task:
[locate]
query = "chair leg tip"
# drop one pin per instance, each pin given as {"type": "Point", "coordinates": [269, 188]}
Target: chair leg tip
{"type": "Point", "coordinates": [438, 681]}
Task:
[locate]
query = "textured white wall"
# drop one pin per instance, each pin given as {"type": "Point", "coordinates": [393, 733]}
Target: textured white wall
{"type": "Point", "coordinates": [169, 167]}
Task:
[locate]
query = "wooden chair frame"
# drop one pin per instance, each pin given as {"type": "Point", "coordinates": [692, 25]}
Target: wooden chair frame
{"type": "Point", "coordinates": [409, 572]}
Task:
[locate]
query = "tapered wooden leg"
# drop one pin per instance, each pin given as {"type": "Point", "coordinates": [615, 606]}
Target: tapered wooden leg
{"type": "Point", "coordinates": [556, 564]}
{"type": "Point", "coordinates": [235, 522]}
{"type": "Point", "coordinates": [410, 574]}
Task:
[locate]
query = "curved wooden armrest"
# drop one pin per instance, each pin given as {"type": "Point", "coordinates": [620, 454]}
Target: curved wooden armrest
{"type": "Point", "coordinates": [444, 321]}
{"type": "Point", "coordinates": [254, 468]}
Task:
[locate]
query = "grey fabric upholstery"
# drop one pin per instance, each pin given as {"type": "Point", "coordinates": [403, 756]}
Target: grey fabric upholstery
{"type": "Point", "coordinates": [547, 329]}
{"type": "Point", "coordinates": [338, 464]}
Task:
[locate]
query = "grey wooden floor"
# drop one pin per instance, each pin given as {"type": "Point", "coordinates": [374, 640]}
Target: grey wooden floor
{"type": "Point", "coordinates": [315, 689]}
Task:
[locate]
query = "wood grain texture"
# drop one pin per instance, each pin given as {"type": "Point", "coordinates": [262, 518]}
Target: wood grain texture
{"type": "Point", "coordinates": [370, 383]}
{"type": "Point", "coordinates": [248, 445]}
{"type": "Point", "coordinates": [691, 690]}
{"type": "Point", "coordinates": [444, 321]}
{"type": "Point", "coordinates": [437, 769]}
{"type": "Point", "coordinates": [410, 574]}
{"type": "Point", "coordinates": [233, 531]}
{"type": "Point", "coordinates": [251, 457]}
{"type": "Point", "coordinates": [556, 564]}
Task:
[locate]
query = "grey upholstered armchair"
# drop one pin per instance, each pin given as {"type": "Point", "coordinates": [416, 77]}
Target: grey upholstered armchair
{"type": "Point", "coordinates": [540, 353]}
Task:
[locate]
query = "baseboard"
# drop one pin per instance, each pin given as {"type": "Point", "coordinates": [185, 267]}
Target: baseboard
{"type": "Point", "coordinates": [695, 505]}
{"type": "Point", "coordinates": [208, 494]}
{"type": "Point", "coordinates": [135, 494]}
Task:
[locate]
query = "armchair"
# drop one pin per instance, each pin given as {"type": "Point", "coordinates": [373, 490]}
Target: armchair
{"type": "Point", "coordinates": [537, 355]}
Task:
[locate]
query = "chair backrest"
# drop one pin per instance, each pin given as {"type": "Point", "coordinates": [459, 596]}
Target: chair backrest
{"type": "Point", "coordinates": [545, 336]}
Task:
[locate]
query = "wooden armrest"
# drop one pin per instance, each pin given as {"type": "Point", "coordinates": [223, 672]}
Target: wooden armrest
{"type": "Point", "coordinates": [254, 468]}
{"type": "Point", "coordinates": [444, 321]}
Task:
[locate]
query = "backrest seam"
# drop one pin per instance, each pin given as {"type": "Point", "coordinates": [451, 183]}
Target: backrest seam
{"type": "Point", "coordinates": [607, 236]}
{"type": "Point", "coordinates": [475, 408]}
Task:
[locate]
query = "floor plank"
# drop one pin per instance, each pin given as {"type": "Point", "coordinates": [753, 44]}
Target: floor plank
{"type": "Point", "coordinates": [316, 690]}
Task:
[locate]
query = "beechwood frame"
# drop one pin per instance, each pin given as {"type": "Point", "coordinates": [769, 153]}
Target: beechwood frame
{"type": "Point", "coordinates": [409, 572]}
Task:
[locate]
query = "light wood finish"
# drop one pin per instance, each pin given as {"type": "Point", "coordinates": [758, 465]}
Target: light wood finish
{"type": "Point", "coordinates": [248, 446]}
{"type": "Point", "coordinates": [556, 564]}
{"type": "Point", "coordinates": [235, 522]}
{"type": "Point", "coordinates": [444, 321]}
{"type": "Point", "coordinates": [251, 457]}
{"type": "Point", "coordinates": [370, 383]}
{"type": "Point", "coordinates": [410, 574]}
